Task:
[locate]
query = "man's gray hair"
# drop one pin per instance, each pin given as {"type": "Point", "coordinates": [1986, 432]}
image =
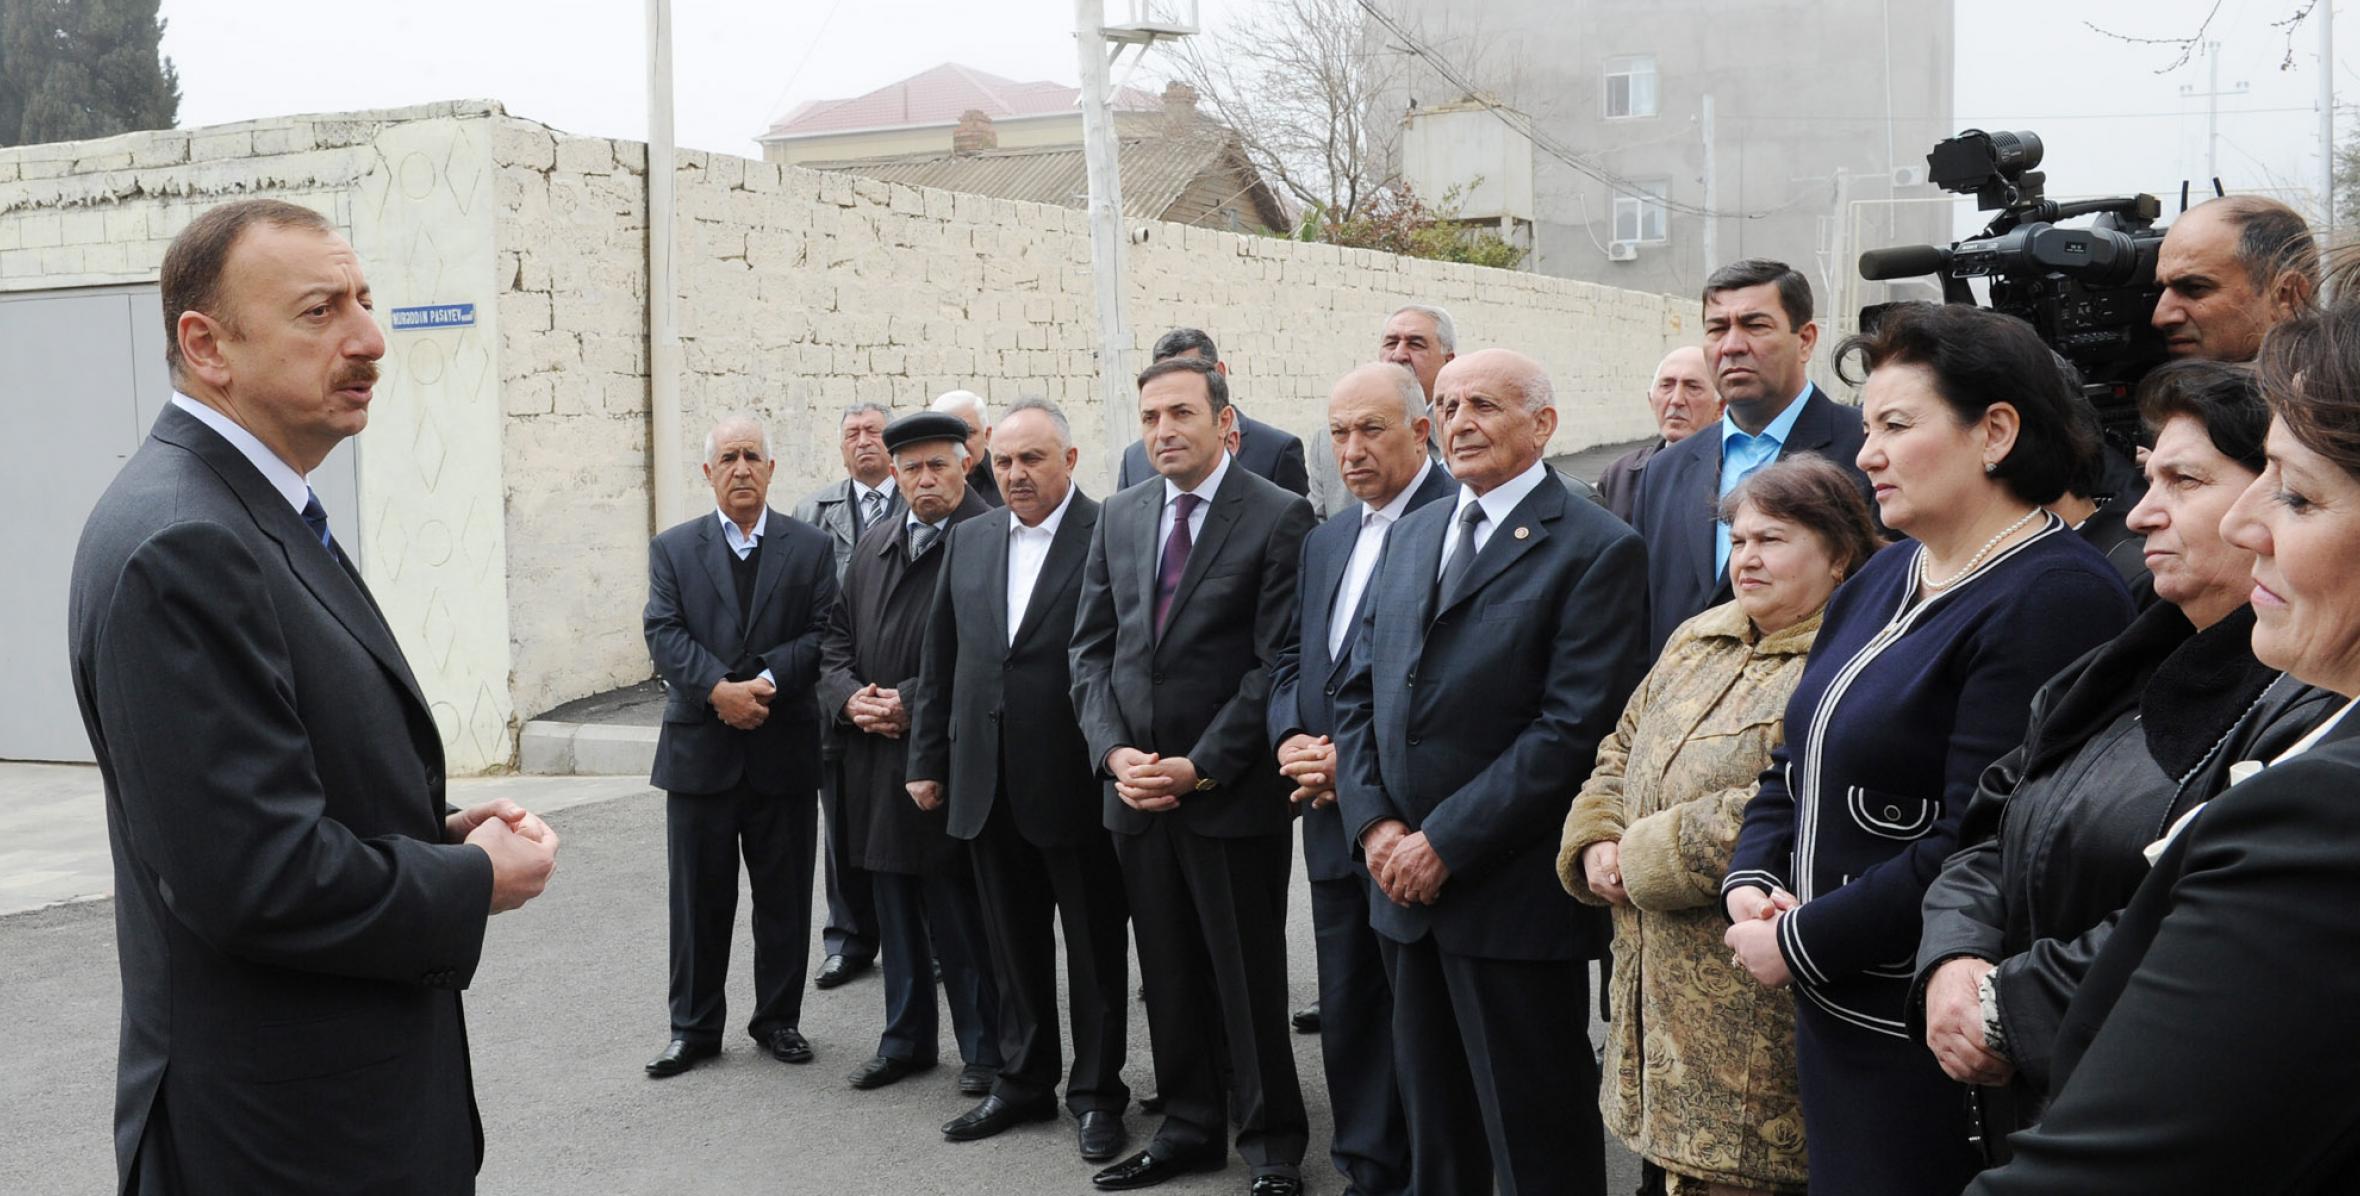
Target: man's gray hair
{"type": "Point", "coordinates": [1538, 393]}
{"type": "Point", "coordinates": [966, 404]}
{"type": "Point", "coordinates": [1056, 416]}
{"type": "Point", "coordinates": [957, 446]}
{"type": "Point", "coordinates": [736, 419]}
{"type": "Point", "coordinates": [1413, 393]}
{"type": "Point", "coordinates": [864, 407]}
{"type": "Point", "coordinates": [1446, 333]}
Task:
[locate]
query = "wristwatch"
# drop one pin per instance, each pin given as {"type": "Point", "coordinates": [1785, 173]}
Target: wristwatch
{"type": "Point", "coordinates": [1205, 783]}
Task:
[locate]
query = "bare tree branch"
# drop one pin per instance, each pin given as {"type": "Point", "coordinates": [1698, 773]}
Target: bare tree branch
{"type": "Point", "coordinates": [2187, 45]}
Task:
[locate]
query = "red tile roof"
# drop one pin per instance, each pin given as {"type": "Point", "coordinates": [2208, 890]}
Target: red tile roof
{"type": "Point", "coordinates": [937, 97]}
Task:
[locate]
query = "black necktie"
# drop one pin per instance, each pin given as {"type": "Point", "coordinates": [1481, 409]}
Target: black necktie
{"type": "Point", "coordinates": [1462, 558]}
{"type": "Point", "coordinates": [316, 517]}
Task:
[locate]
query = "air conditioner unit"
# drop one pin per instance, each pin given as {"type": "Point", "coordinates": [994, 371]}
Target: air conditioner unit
{"type": "Point", "coordinates": [1622, 251]}
{"type": "Point", "coordinates": [1908, 176]}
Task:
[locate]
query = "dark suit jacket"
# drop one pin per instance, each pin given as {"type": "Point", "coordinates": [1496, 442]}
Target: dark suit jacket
{"type": "Point", "coordinates": [1618, 483]}
{"type": "Point", "coordinates": [1263, 449]}
{"type": "Point", "coordinates": [1476, 723]}
{"type": "Point", "coordinates": [292, 929]}
{"type": "Point", "coordinates": [2212, 1046]}
{"type": "Point", "coordinates": [1303, 685]}
{"type": "Point", "coordinates": [985, 484]}
{"type": "Point", "coordinates": [831, 509]}
{"type": "Point", "coordinates": [876, 633]}
{"type": "Point", "coordinates": [991, 713]}
{"type": "Point", "coordinates": [1202, 690]}
{"type": "Point", "coordinates": [698, 637]}
{"type": "Point", "coordinates": [1680, 491]}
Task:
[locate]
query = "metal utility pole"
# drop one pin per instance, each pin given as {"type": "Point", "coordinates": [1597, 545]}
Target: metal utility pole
{"type": "Point", "coordinates": [1712, 193]}
{"type": "Point", "coordinates": [2212, 108]}
{"type": "Point", "coordinates": [663, 330]}
{"type": "Point", "coordinates": [2326, 14]}
{"type": "Point", "coordinates": [1099, 149]}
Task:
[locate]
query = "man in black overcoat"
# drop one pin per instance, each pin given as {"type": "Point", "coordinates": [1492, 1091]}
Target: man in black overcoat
{"type": "Point", "coordinates": [926, 904]}
{"type": "Point", "coordinates": [994, 719]}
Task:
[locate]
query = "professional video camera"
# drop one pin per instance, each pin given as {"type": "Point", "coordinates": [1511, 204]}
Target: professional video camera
{"type": "Point", "coordinates": [2089, 292]}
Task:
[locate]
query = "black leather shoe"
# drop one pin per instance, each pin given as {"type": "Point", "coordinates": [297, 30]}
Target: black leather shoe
{"type": "Point", "coordinates": [975, 1079]}
{"type": "Point", "coordinates": [1153, 1102]}
{"type": "Point", "coordinates": [679, 1056]}
{"type": "Point", "coordinates": [883, 1070]}
{"type": "Point", "coordinates": [788, 1046]}
{"type": "Point", "coordinates": [995, 1116]}
{"type": "Point", "coordinates": [1148, 1168]}
{"type": "Point", "coordinates": [837, 969]}
{"type": "Point", "coordinates": [1102, 1135]}
{"type": "Point", "coordinates": [1275, 1185]}
{"type": "Point", "coordinates": [1306, 1019]}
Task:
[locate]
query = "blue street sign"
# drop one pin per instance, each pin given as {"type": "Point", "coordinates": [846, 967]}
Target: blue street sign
{"type": "Point", "coordinates": [440, 315]}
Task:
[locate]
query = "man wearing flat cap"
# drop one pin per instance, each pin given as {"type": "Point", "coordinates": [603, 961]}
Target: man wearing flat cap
{"type": "Point", "coordinates": [926, 902]}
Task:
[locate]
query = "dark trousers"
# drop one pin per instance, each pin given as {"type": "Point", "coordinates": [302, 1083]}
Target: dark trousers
{"type": "Point", "coordinates": [1371, 1146]}
{"type": "Point", "coordinates": [852, 903]}
{"type": "Point", "coordinates": [1027, 891]}
{"type": "Point", "coordinates": [922, 920]}
{"type": "Point", "coordinates": [1497, 1078]}
{"type": "Point", "coordinates": [704, 833]}
{"type": "Point", "coordinates": [1206, 907]}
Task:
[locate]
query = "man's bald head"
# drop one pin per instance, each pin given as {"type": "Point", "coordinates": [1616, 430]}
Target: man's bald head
{"type": "Point", "coordinates": [2231, 269]}
{"type": "Point", "coordinates": [1377, 427]}
{"type": "Point", "coordinates": [1498, 411]}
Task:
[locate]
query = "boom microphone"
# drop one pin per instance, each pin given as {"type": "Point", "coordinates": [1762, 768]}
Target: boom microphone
{"type": "Point", "coordinates": [1903, 261]}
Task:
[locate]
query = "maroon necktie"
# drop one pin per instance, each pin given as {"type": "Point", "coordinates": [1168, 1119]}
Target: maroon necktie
{"type": "Point", "coordinates": [1176, 546]}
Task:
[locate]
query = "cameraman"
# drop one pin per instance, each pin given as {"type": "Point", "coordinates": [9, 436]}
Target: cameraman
{"type": "Point", "coordinates": [2230, 269]}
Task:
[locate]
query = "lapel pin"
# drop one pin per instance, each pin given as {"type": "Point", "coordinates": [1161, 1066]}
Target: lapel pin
{"type": "Point", "coordinates": [1523, 533]}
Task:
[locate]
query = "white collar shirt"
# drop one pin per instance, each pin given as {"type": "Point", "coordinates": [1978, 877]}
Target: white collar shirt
{"type": "Point", "coordinates": [1375, 523]}
{"type": "Point", "coordinates": [1196, 519]}
{"type": "Point", "coordinates": [1028, 550]}
{"type": "Point", "coordinates": [1497, 506]}
{"type": "Point", "coordinates": [281, 476]}
{"type": "Point", "coordinates": [737, 539]}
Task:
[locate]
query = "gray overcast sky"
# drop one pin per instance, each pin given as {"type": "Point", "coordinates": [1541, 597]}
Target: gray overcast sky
{"type": "Point", "coordinates": [2110, 122]}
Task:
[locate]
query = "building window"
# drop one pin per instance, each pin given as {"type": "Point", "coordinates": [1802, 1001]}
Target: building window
{"type": "Point", "coordinates": [1640, 217]}
{"type": "Point", "coordinates": [1630, 86]}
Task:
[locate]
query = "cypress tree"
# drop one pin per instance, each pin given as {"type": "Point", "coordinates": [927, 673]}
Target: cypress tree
{"type": "Point", "coordinates": [73, 69]}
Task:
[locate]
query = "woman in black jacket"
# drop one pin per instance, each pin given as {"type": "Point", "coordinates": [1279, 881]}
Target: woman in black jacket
{"type": "Point", "coordinates": [2212, 1046]}
{"type": "Point", "coordinates": [2122, 742]}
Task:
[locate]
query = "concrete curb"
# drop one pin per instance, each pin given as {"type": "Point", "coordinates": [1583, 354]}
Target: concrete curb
{"type": "Point", "coordinates": [547, 748]}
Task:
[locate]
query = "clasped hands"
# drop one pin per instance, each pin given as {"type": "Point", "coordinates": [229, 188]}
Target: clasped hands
{"type": "Point", "coordinates": [1310, 762]}
{"type": "Point", "coordinates": [1403, 863]}
{"type": "Point", "coordinates": [523, 848]}
{"type": "Point", "coordinates": [743, 704]}
{"type": "Point", "coordinates": [1954, 1024]}
{"type": "Point", "coordinates": [878, 711]}
{"type": "Point", "coordinates": [1752, 938]}
{"type": "Point", "coordinates": [1149, 783]}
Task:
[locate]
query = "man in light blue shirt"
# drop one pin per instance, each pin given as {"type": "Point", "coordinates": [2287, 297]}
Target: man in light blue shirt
{"type": "Point", "coordinates": [1743, 453]}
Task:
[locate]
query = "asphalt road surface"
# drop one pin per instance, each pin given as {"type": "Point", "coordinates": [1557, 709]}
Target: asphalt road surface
{"type": "Point", "coordinates": [566, 1007]}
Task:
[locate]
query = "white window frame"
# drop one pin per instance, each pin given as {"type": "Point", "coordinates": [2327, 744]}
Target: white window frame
{"type": "Point", "coordinates": [1641, 97]}
{"type": "Point", "coordinates": [1643, 219]}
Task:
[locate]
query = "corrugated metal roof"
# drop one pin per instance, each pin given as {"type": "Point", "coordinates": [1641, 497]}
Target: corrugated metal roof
{"type": "Point", "coordinates": [938, 96]}
{"type": "Point", "coordinates": [1155, 171]}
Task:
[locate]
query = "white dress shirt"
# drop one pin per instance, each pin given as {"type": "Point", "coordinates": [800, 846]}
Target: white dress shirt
{"type": "Point", "coordinates": [860, 490]}
{"type": "Point", "coordinates": [737, 539]}
{"type": "Point", "coordinates": [1375, 522]}
{"type": "Point", "coordinates": [281, 476]}
{"type": "Point", "coordinates": [1196, 518]}
{"type": "Point", "coordinates": [1028, 550]}
{"type": "Point", "coordinates": [1496, 507]}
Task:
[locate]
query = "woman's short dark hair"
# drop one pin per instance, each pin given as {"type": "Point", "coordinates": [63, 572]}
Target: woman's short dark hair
{"type": "Point", "coordinates": [1979, 357]}
{"type": "Point", "coordinates": [1811, 492]}
{"type": "Point", "coordinates": [2223, 396]}
{"type": "Point", "coordinates": [2309, 371]}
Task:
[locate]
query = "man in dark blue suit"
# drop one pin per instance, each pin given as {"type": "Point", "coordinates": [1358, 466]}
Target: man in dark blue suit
{"type": "Point", "coordinates": [1501, 637]}
{"type": "Point", "coordinates": [737, 599]}
{"type": "Point", "coordinates": [1758, 337]}
{"type": "Point", "coordinates": [1264, 450]}
{"type": "Point", "coordinates": [1377, 421]}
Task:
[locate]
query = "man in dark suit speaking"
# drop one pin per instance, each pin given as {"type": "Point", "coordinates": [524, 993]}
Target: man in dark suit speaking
{"type": "Point", "coordinates": [737, 601]}
{"type": "Point", "coordinates": [1758, 337]}
{"type": "Point", "coordinates": [993, 716]}
{"type": "Point", "coordinates": [1503, 634]}
{"type": "Point", "coordinates": [297, 908]}
{"type": "Point", "coordinates": [1186, 601]}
